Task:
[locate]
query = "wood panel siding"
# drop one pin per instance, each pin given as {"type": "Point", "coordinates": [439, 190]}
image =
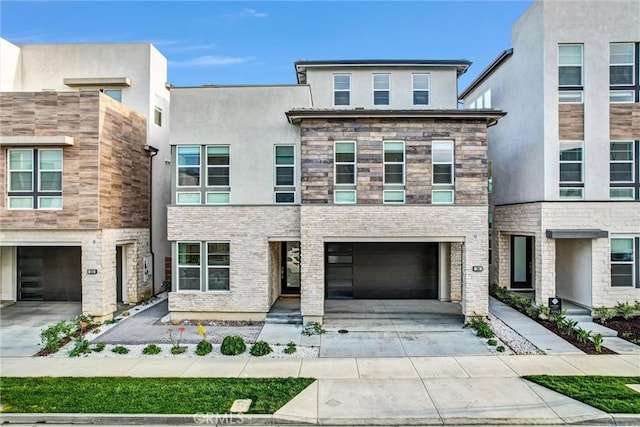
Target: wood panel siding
{"type": "Point", "coordinates": [624, 121]}
{"type": "Point", "coordinates": [571, 122]}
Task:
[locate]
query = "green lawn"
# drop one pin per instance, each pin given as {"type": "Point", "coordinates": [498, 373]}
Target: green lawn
{"type": "Point", "coordinates": [126, 395]}
{"type": "Point", "coordinates": [609, 394]}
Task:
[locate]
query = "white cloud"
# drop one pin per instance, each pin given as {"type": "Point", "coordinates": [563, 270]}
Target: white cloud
{"type": "Point", "coordinates": [255, 13]}
{"type": "Point", "coordinates": [212, 60]}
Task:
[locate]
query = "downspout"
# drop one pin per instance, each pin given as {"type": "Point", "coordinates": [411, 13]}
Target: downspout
{"type": "Point", "coordinates": [152, 151]}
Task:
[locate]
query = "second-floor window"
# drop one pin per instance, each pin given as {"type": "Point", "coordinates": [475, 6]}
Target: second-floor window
{"type": "Point", "coordinates": [188, 174]}
{"type": "Point", "coordinates": [191, 185]}
{"type": "Point", "coordinates": [623, 183]}
{"type": "Point", "coordinates": [381, 88]}
{"type": "Point", "coordinates": [285, 173]}
{"type": "Point", "coordinates": [35, 179]}
{"type": "Point", "coordinates": [420, 87]}
{"type": "Point", "coordinates": [345, 163]}
{"type": "Point", "coordinates": [623, 73]}
{"type": "Point", "coordinates": [341, 89]}
{"type": "Point", "coordinates": [442, 171]}
{"type": "Point", "coordinates": [570, 73]}
{"type": "Point", "coordinates": [394, 162]}
{"type": "Point", "coordinates": [113, 93]}
{"type": "Point", "coordinates": [218, 166]}
{"type": "Point", "coordinates": [571, 170]}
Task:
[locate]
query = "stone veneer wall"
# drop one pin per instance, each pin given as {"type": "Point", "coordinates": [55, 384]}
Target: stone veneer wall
{"type": "Point", "coordinates": [249, 230]}
{"type": "Point", "coordinates": [466, 225]}
{"type": "Point", "coordinates": [319, 135]}
{"type": "Point", "coordinates": [534, 219]}
{"type": "Point", "coordinates": [98, 252]}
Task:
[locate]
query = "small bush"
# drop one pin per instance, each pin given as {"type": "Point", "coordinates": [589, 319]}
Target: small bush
{"type": "Point", "coordinates": [625, 310]}
{"type": "Point", "coordinates": [151, 349]}
{"type": "Point", "coordinates": [178, 350]}
{"type": "Point", "coordinates": [313, 328]}
{"type": "Point", "coordinates": [96, 331]}
{"type": "Point", "coordinates": [598, 340]}
{"type": "Point", "coordinates": [532, 311]}
{"type": "Point", "coordinates": [203, 348]}
{"type": "Point", "coordinates": [492, 342]}
{"type": "Point", "coordinates": [603, 314]}
{"type": "Point", "coordinates": [233, 345]}
{"type": "Point", "coordinates": [500, 348]}
{"type": "Point", "coordinates": [120, 349]}
{"type": "Point", "coordinates": [260, 348]}
{"type": "Point", "coordinates": [98, 347]}
{"type": "Point", "coordinates": [81, 346]}
{"type": "Point", "coordinates": [582, 335]}
{"type": "Point", "coordinates": [52, 336]}
{"type": "Point", "coordinates": [291, 348]}
{"type": "Point", "coordinates": [480, 325]}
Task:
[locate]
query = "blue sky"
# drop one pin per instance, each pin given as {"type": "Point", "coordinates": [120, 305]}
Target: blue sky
{"type": "Point", "coordinates": [238, 42]}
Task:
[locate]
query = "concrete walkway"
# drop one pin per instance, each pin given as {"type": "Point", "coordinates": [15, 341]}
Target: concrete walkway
{"type": "Point", "coordinates": [537, 334]}
{"type": "Point", "coordinates": [396, 391]}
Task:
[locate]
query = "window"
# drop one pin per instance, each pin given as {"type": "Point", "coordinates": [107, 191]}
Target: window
{"type": "Point", "coordinates": [569, 65]}
{"type": "Point", "coordinates": [571, 169]}
{"type": "Point", "coordinates": [420, 84]}
{"type": "Point", "coordinates": [442, 197]}
{"type": "Point", "coordinates": [442, 160]}
{"type": "Point", "coordinates": [218, 266]}
{"type": "Point", "coordinates": [393, 196]}
{"type": "Point", "coordinates": [381, 88]}
{"type": "Point", "coordinates": [620, 96]}
{"type": "Point", "coordinates": [285, 165]}
{"type": "Point", "coordinates": [621, 64]}
{"type": "Point", "coordinates": [217, 198]}
{"type": "Point", "coordinates": [622, 163]}
{"type": "Point", "coordinates": [623, 260]}
{"type": "Point", "coordinates": [341, 89]}
{"type": "Point", "coordinates": [188, 266]}
{"type": "Point", "coordinates": [188, 174]}
{"type": "Point", "coordinates": [344, 196]}
{"type": "Point", "coordinates": [35, 179]}
{"type": "Point", "coordinates": [218, 166]}
{"type": "Point", "coordinates": [570, 97]}
{"type": "Point", "coordinates": [113, 93]}
{"type": "Point", "coordinates": [157, 111]}
{"type": "Point", "coordinates": [285, 197]}
{"type": "Point", "coordinates": [345, 163]}
{"type": "Point", "coordinates": [394, 162]}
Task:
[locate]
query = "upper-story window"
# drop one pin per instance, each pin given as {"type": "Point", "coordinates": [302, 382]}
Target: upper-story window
{"type": "Point", "coordinates": [341, 89]}
{"type": "Point", "coordinates": [442, 172]}
{"type": "Point", "coordinates": [381, 87]}
{"type": "Point", "coordinates": [344, 164]}
{"type": "Point", "coordinates": [188, 174]}
{"type": "Point", "coordinates": [420, 87]}
{"type": "Point", "coordinates": [35, 179]}
{"type": "Point", "coordinates": [571, 170]}
{"type": "Point", "coordinates": [113, 93]}
{"type": "Point", "coordinates": [285, 172]}
{"type": "Point", "coordinates": [623, 183]}
{"type": "Point", "coordinates": [157, 111]}
{"type": "Point", "coordinates": [623, 73]}
{"type": "Point", "coordinates": [570, 59]}
{"type": "Point", "coordinates": [189, 180]}
{"type": "Point", "coordinates": [218, 166]}
{"type": "Point", "coordinates": [394, 162]}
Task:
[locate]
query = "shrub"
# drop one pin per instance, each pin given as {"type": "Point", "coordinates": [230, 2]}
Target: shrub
{"type": "Point", "coordinates": [81, 346]}
{"type": "Point", "coordinates": [260, 348]}
{"type": "Point", "coordinates": [291, 348]}
{"type": "Point", "coordinates": [313, 328]}
{"type": "Point", "coordinates": [52, 336]}
{"type": "Point", "coordinates": [233, 345]}
{"type": "Point", "coordinates": [492, 342]}
{"type": "Point", "coordinates": [603, 314]}
{"type": "Point", "coordinates": [480, 325]}
{"type": "Point", "coordinates": [545, 312]}
{"type": "Point", "coordinates": [532, 311]}
{"type": "Point", "coordinates": [98, 347]}
{"type": "Point", "coordinates": [597, 342]}
{"type": "Point", "coordinates": [582, 335]}
{"type": "Point", "coordinates": [120, 349]}
{"type": "Point", "coordinates": [203, 348]}
{"type": "Point", "coordinates": [570, 326]}
{"type": "Point", "coordinates": [178, 350]}
{"type": "Point", "coordinates": [151, 349]}
{"type": "Point", "coordinates": [625, 310]}
{"type": "Point", "coordinates": [500, 348]}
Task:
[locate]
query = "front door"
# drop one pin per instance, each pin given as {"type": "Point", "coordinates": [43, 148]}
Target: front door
{"type": "Point", "coordinates": [290, 267]}
{"type": "Point", "coordinates": [119, 274]}
{"type": "Point", "coordinates": [521, 262]}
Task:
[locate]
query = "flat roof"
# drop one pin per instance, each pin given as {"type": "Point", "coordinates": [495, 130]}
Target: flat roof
{"type": "Point", "coordinates": [491, 116]}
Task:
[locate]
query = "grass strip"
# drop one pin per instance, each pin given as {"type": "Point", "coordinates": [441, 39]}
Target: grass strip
{"type": "Point", "coordinates": [609, 394]}
{"type": "Point", "coordinates": [127, 395]}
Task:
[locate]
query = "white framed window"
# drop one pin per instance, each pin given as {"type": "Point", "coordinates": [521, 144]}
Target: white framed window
{"type": "Point", "coordinates": [621, 64]}
{"type": "Point", "coordinates": [217, 197]}
{"type": "Point", "coordinates": [570, 59]}
{"type": "Point", "coordinates": [218, 263]}
{"type": "Point", "coordinates": [189, 263]}
{"type": "Point", "coordinates": [621, 161]}
{"type": "Point", "coordinates": [188, 198]}
{"type": "Point", "coordinates": [344, 162]}
{"type": "Point", "coordinates": [285, 165]}
{"type": "Point", "coordinates": [188, 166]}
{"type": "Point", "coordinates": [620, 96]}
{"type": "Point", "coordinates": [341, 89]}
{"type": "Point", "coordinates": [218, 166]}
{"type": "Point", "coordinates": [35, 178]}
{"type": "Point", "coordinates": [285, 197]}
{"type": "Point", "coordinates": [621, 193]}
{"type": "Point", "coordinates": [157, 111]}
{"type": "Point", "coordinates": [442, 197]}
{"type": "Point", "coordinates": [394, 159]}
{"type": "Point", "coordinates": [570, 97]}
{"type": "Point", "coordinates": [623, 261]}
{"type": "Point", "coordinates": [420, 86]}
{"type": "Point", "coordinates": [344, 197]}
{"type": "Point", "coordinates": [571, 193]}
{"type": "Point", "coordinates": [442, 162]}
{"type": "Point", "coordinates": [381, 89]}
{"type": "Point", "coordinates": [571, 170]}
{"type": "Point", "coordinates": [393, 196]}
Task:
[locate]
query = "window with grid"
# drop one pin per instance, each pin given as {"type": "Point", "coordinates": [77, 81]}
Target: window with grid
{"type": "Point", "coordinates": [570, 63]}
{"type": "Point", "coordinates": [35, 179]}
{"type": "Point", "coordinates": [381, 88]}
{"type": "Point", "coordinates": [218, 260]}
{"type": "Point", "coordinates": [188, 266]}
{"type": "Point", "coordinates": [188, 174]}
{"type": "Point", "coordinates": [420, 86]}
{"type": "Point", "coordinates": [623, 164]}
{"type": "Point", "coordinates": [394, 162]}
{"type": "Point", "coordinates": [571, 170]}
{"type": "Point", "coordinates": [341, 89]}
{"type": "Point", "coordinates": [285, 174]}
{"type": "Point", "coordinates": [623, 72]}
{"type": "Point", "coordinates": [624, 261]}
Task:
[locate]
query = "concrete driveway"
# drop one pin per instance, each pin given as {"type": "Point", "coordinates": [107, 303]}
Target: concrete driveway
{"type": "Point", "coordinates": [21, 323]}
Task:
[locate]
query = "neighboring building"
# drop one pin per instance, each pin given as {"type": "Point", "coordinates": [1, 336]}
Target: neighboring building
{"type": "Point", "coordinates": [362, 181]}
{"type": "Point", "coordinates": [134, 74]}
{"type": "Point", "coordinates": [566, 180]}
{"type": "Point", "coordinates": [74, 211]}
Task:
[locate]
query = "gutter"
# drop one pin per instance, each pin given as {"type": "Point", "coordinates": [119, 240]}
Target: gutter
{"type": "Point", "coordinates": [152, 152]}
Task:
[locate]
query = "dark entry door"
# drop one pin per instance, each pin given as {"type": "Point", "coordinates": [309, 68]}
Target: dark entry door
{"type": "Point", "coordinates": [521, 262]}
{"type": "Point", "coordinates": [290, 268]}
{"type": "Point", "coordinates": [119, 274]}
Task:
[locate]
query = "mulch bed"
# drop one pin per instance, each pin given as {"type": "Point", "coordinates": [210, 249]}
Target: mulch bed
{"type": "Point", "coordinates": [627, 329]}
{"type": "Point", "coordinates": [587, 347]}
{"type": "Point", "coordinates": [66, 340]}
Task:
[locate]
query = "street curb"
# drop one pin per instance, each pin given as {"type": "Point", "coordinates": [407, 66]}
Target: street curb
{"type": "Point", "coordinates": [271, 420]}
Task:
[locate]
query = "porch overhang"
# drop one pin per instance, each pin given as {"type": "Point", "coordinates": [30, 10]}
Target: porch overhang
{"type": "Point", "coordinates": [577, 234]}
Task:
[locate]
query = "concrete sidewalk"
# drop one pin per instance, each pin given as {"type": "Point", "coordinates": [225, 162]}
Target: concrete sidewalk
{"type": "Point", "coordinates": [350, 391]}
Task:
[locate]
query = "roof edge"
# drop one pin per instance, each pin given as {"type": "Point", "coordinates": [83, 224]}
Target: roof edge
{"type": "Point", "coordinates": [504, 55]}
{"type": "Point", "coordinates": [490, 115]}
